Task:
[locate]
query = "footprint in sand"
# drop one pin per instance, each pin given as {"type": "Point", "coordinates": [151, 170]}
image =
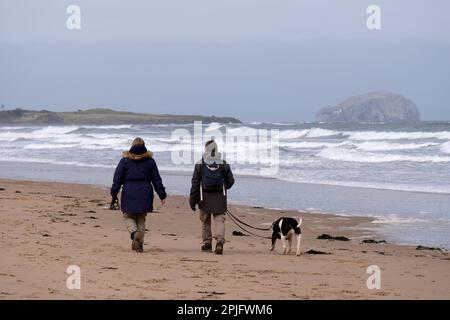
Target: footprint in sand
{"type": "Point", "coordinates": [156, 281]}
{"type": "Point", "coordinates": [154, 250]}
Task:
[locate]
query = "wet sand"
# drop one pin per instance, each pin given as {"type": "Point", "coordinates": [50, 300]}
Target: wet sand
{"type": "Point", "coordinates": [45, 227]}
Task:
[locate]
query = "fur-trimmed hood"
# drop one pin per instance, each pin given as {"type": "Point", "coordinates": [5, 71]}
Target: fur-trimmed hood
{"type": "Point", "coordinates": [132, 156]}
{"type": "Point", "coordinates": [138, 152]}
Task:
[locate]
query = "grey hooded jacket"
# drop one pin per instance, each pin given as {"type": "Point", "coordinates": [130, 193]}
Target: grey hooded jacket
{"type": "Point", "coordinates": [214, 201]}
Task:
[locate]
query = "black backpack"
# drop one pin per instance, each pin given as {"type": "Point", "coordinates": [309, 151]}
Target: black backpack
{"type": "Point", "coordinates": [213, 176]}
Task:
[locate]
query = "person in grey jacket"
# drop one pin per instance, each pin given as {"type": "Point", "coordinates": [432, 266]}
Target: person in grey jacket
{"type": "Point", "coordinates": [211, 179]}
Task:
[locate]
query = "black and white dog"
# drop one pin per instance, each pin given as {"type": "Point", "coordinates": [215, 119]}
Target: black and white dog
{"type": "Point", "coordinates": [286, 229]}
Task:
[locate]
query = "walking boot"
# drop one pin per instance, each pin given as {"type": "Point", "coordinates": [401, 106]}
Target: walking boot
{"type": "Point", "coordinates": [207, 247]}
{"type": "Point", "coordinates": [219, 248]}
{"type": "Point", "coordinates": [136, 243]}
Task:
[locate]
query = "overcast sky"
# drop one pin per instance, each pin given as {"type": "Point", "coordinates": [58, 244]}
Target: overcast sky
{"type": "Point", "coordinates": [258, 60]}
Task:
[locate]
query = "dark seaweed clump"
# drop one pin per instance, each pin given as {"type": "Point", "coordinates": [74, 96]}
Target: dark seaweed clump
{"type": "Point", "coordinates": [328, 237]}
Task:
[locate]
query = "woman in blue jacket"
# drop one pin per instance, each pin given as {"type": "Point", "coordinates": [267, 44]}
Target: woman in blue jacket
{"type": "Point", "coordinates": [137, 174]}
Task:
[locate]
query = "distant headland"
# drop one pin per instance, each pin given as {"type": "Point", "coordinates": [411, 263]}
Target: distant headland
{"type": "Point", "coordinates": [100, 116]}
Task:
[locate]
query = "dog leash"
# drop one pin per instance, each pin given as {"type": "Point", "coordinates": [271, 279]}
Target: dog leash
{"type": "Point", "coordinates": [243, 229]}
{"type": "Point", "coordinates": [247, 225]}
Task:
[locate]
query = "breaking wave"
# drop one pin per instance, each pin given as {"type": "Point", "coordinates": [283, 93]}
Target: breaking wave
{"type": "Point", "coordinates": [386, 146]}
{"type": "Point", "coordinates": [339, 154]}
{"type": "Point", "coordinates": [445, 148]}
{"type": "Point", "coordinates": [393, 135]}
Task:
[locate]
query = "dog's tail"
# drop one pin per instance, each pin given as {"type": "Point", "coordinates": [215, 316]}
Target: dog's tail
{"type": "Point", "coordinates": [299, 223]}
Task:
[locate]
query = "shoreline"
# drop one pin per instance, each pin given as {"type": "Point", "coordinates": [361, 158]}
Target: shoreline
{"type": "Point", "coordinates": [48, 226]}
{"type": "Point", "coordinates": [188, 172]}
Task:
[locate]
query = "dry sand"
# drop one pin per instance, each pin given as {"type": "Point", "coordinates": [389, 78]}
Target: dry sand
{"type": "Point", "coordinates": [45, 227]}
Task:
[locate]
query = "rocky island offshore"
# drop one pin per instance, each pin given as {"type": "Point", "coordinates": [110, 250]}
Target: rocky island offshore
{"type": "Point", "coordinates": [372, 107]}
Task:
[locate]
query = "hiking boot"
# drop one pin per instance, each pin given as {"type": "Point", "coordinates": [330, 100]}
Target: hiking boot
{"type": "Point", "coordinates": [219, 248]}
{"type": "Point", "coordinates": [140, 247]}
{"type": "Point", "coordinates": [136, 243]}
{"type": "Point", "coordinates": [207, 247]}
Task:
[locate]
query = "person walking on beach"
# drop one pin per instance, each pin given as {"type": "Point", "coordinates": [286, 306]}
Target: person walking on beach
{"type": "Point", "coordinates": [138, 174]}
{"type": "Point", "coordinates": [211, 179]}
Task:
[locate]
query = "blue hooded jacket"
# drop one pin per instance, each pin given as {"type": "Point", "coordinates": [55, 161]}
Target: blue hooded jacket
{"type": "Point", "coordinates": [137, 174]}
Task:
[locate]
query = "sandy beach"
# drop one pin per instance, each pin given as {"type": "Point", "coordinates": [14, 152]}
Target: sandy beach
{"type": "Point", "coordinates": [45, 227]}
